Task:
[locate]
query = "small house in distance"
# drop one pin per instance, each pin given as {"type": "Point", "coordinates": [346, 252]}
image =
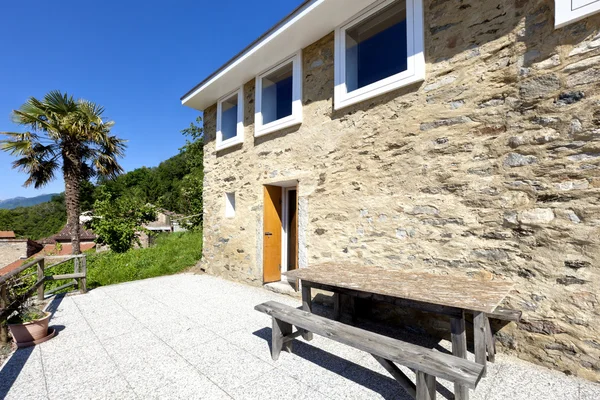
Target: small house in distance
{"type": "Point", "coordinates": [454, 137]}
{"type": "Point", "coordinates": [166, 222]}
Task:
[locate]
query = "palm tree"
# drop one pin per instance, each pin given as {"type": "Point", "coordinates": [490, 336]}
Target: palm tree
{"type": "Point", "coordinates": [64, 134]}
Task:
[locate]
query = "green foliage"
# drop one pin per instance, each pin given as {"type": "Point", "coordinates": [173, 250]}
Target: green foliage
{"type": "Point", "coordinates": [118, 220]}
{"type": "Point", "coordinates": [35, 222]}
{"type": "Point", "coordinates": [175, 184]}
{"type": "Point", "coordinates": [26, 314]}
{"type": "Point", "coordinates": [191, 187]}
{"type": "Point", "coordinates": [160, 185]}
{"type": "Point", "coordinates": [171, 254]}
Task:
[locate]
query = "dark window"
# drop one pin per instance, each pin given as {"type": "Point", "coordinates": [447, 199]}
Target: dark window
{"type": "Point", "coordinates": [277, 94]}
{"type": "Point", "coordinates": [229, 117]}
{"type": "Point", "coordinates": [376, 47]}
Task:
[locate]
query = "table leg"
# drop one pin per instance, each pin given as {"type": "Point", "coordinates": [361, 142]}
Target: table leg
{"type": "Point", "coordinates": [459, 349]}
{"type": "Point", "coordinates": [306, 306]}
{"type": "Point", "coordinates": [337, 312]}
{"type": "Point", "coordinates": [479, 339]}
{"type": "Point", "coordinates": [490, 341]}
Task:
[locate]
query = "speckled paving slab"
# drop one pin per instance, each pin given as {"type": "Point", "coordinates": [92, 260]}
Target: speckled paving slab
{"type": "Point", "coordinates": [445, 290]}
{"type": "Point", "coordinates": [203, 340]}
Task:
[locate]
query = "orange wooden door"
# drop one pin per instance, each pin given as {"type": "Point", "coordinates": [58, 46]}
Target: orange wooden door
{"type": "Point", "coordinates": [272, 234]}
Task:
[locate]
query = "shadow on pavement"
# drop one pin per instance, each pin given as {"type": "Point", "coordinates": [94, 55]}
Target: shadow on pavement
{"type": "Point", "coordinates": [357, 373]}
{"type": "Point", "coordinates": [13, 367]}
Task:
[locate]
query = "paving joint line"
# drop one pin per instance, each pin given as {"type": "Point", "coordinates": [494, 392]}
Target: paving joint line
{"type": "Point", "coordinates": [176, 352]}
{"type": "Point", "coordinates": [44, 374]}
{"type": "Point", "coordinates": [244, 350]}
{"type": "Point", "coordinates": [262, 291]}
{"type": "Point", "coordinates": [107, 353]}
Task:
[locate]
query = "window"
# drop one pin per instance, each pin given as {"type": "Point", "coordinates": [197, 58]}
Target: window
{"type": "Point", "coordinates": [230, 205]}
{"type": "Point", "coordinates": [230, 120]}
{"type": "Point", "coordinates": [279, 97]}
{"type": "Point", "coordinates": [378, 51]}
{"type": "Point", "coordinates": [567, 11]}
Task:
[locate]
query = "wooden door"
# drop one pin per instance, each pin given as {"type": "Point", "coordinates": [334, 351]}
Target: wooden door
{"type": "Point", "coordinates": [272, 234]}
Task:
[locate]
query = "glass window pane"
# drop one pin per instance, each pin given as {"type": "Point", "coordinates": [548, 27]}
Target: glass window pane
{"type": "Point", "coordinates": [229, 112]}
{"type": "Point", "coordinates": [277, 94]}
{"type": "Point", "coordinates": [376, 47]}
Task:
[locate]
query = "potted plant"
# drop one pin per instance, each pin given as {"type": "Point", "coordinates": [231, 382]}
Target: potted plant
{"type": "Point", "coordinates": [29, 326]}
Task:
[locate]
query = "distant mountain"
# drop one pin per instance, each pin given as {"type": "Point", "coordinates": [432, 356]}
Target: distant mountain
{"type": "Point", "coordinates": [9, 204]}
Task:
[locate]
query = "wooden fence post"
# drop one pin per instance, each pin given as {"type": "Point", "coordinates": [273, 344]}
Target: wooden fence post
{"type": "Point", "coordinates": [3, 305]}
{"type": "Point", "coordinates": [76, 270]}
{"type": "Point", "coordinates": [40, 277]}
{"type": "Point", "coordinates": [83, 281]}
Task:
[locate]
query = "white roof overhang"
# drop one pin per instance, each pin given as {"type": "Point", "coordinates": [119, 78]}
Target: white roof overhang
{"type": "Point", "coordinates": [312, 20]}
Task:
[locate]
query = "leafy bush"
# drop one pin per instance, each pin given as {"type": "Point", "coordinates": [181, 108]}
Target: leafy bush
{"type": "Point", "coordinates": [119, 220]}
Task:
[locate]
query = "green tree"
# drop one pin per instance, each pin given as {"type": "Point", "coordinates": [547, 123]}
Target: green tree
{"type": "Point", "coordinates": [191, 186]}
{"type": "Point", "coordinates": [119, 220]}
{"type": "Point", "coordinates": [35, 222]}
{"type": "Point", "coordinates": [64, 134]}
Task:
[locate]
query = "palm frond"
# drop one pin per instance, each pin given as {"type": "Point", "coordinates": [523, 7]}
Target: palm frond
{"type": "Point", "coordinates": [19, 143]}
{"type": "Point", "coordinates": [63, 131]}
{"type": "Point", "coordinates": [40, 171]}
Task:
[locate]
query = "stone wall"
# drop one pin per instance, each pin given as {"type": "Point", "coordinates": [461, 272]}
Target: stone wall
{"type": "Point", "coordinates": [489, 168]}
{"type": "Point", "coordinates": [11, 250]}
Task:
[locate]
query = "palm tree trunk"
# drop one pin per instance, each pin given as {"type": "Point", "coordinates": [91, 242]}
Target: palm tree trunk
{"type": "Point", "coordinates": [72, 175]}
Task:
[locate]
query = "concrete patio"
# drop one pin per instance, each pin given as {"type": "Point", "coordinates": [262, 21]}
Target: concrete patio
{"type": "Point", "coordinates": [197, 336]}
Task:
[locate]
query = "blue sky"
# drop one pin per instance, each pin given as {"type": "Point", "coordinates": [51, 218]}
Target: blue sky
{"type": "Point", "coordinates": [136, 58]}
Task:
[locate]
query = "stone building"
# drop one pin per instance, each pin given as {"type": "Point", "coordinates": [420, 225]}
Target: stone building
{"type": "Point", "coordinates": [471, 146]}
{"type": "Point", "coordinates": [13, 249]}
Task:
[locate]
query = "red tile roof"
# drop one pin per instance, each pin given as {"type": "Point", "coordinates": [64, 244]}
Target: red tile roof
{"type": "Point", "coordinates": [7, 235]}
{"type": "Point", "coordinates": [65, 235]}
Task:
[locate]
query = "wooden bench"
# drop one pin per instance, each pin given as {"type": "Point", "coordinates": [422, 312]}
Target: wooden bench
{"type": "Point", "coordinates": [427, 363]}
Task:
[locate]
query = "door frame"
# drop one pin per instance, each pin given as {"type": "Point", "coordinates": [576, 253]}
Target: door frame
{"type": "Point", "coordinates": [285, 186]}
{"type": "Point", "coordinates": [284, 223]}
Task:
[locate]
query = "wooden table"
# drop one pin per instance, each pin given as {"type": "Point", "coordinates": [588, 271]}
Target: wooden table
{"type": "Point", "coordinates": [449, 295]}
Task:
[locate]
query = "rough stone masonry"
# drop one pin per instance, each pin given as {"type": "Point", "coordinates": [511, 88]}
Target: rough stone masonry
{"type": "Point", "coordinates": [488, 168]}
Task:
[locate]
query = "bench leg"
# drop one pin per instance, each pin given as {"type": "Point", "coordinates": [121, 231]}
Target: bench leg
{"type": "Point", "coordinates": [425, 386]}
{"type": "Point", "coordinates": [490, 341]}
{"type": "Point", "coordinates": [398, 375]}
{"type": "Point", "coordinates": [337, 312]}
{"type": "Point", "coordinates": [279, 331]}
{"type": "Point", "coordinates": [306, 306]}
{"type": "Point", "coordinates": [459, 349]}
{"type": "Point", "coordinates": [479, 335]}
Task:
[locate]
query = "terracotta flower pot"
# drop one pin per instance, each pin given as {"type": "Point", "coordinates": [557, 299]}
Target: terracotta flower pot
{"type": "Point", "coordinates": [30, 332]}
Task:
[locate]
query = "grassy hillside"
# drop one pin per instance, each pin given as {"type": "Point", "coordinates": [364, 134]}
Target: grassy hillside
{"type": "Point", "coordinates": [171, 254]}
{"type": "Point", "coordinates": [9, 204]}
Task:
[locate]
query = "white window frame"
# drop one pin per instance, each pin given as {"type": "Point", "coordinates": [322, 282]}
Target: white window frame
{"type": "Point", "coordinates": [291, 120]}
{"type": "Point", "coordinates": [414, 49]}
{"type": "Point", "coordinates": [568, 11]}
{"type": "Point", "coordinates": [230, 205]}
{"type": "Point", "coordinates": [239, 137]}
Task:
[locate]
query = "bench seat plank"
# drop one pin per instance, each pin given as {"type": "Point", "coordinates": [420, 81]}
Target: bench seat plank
{"type": "Point", "coordinates": [430, 362]}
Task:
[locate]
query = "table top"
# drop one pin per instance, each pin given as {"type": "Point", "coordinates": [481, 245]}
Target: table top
{"type": "Point", "coordinates": [445, 290]}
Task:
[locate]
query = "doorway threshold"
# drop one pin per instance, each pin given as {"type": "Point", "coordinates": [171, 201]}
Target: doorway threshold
{"type": "Point", "coordinates": [282, 287]}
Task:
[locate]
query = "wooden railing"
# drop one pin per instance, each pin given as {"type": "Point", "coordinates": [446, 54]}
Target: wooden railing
{"type": "Point", "coordinates": [16, 286]}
